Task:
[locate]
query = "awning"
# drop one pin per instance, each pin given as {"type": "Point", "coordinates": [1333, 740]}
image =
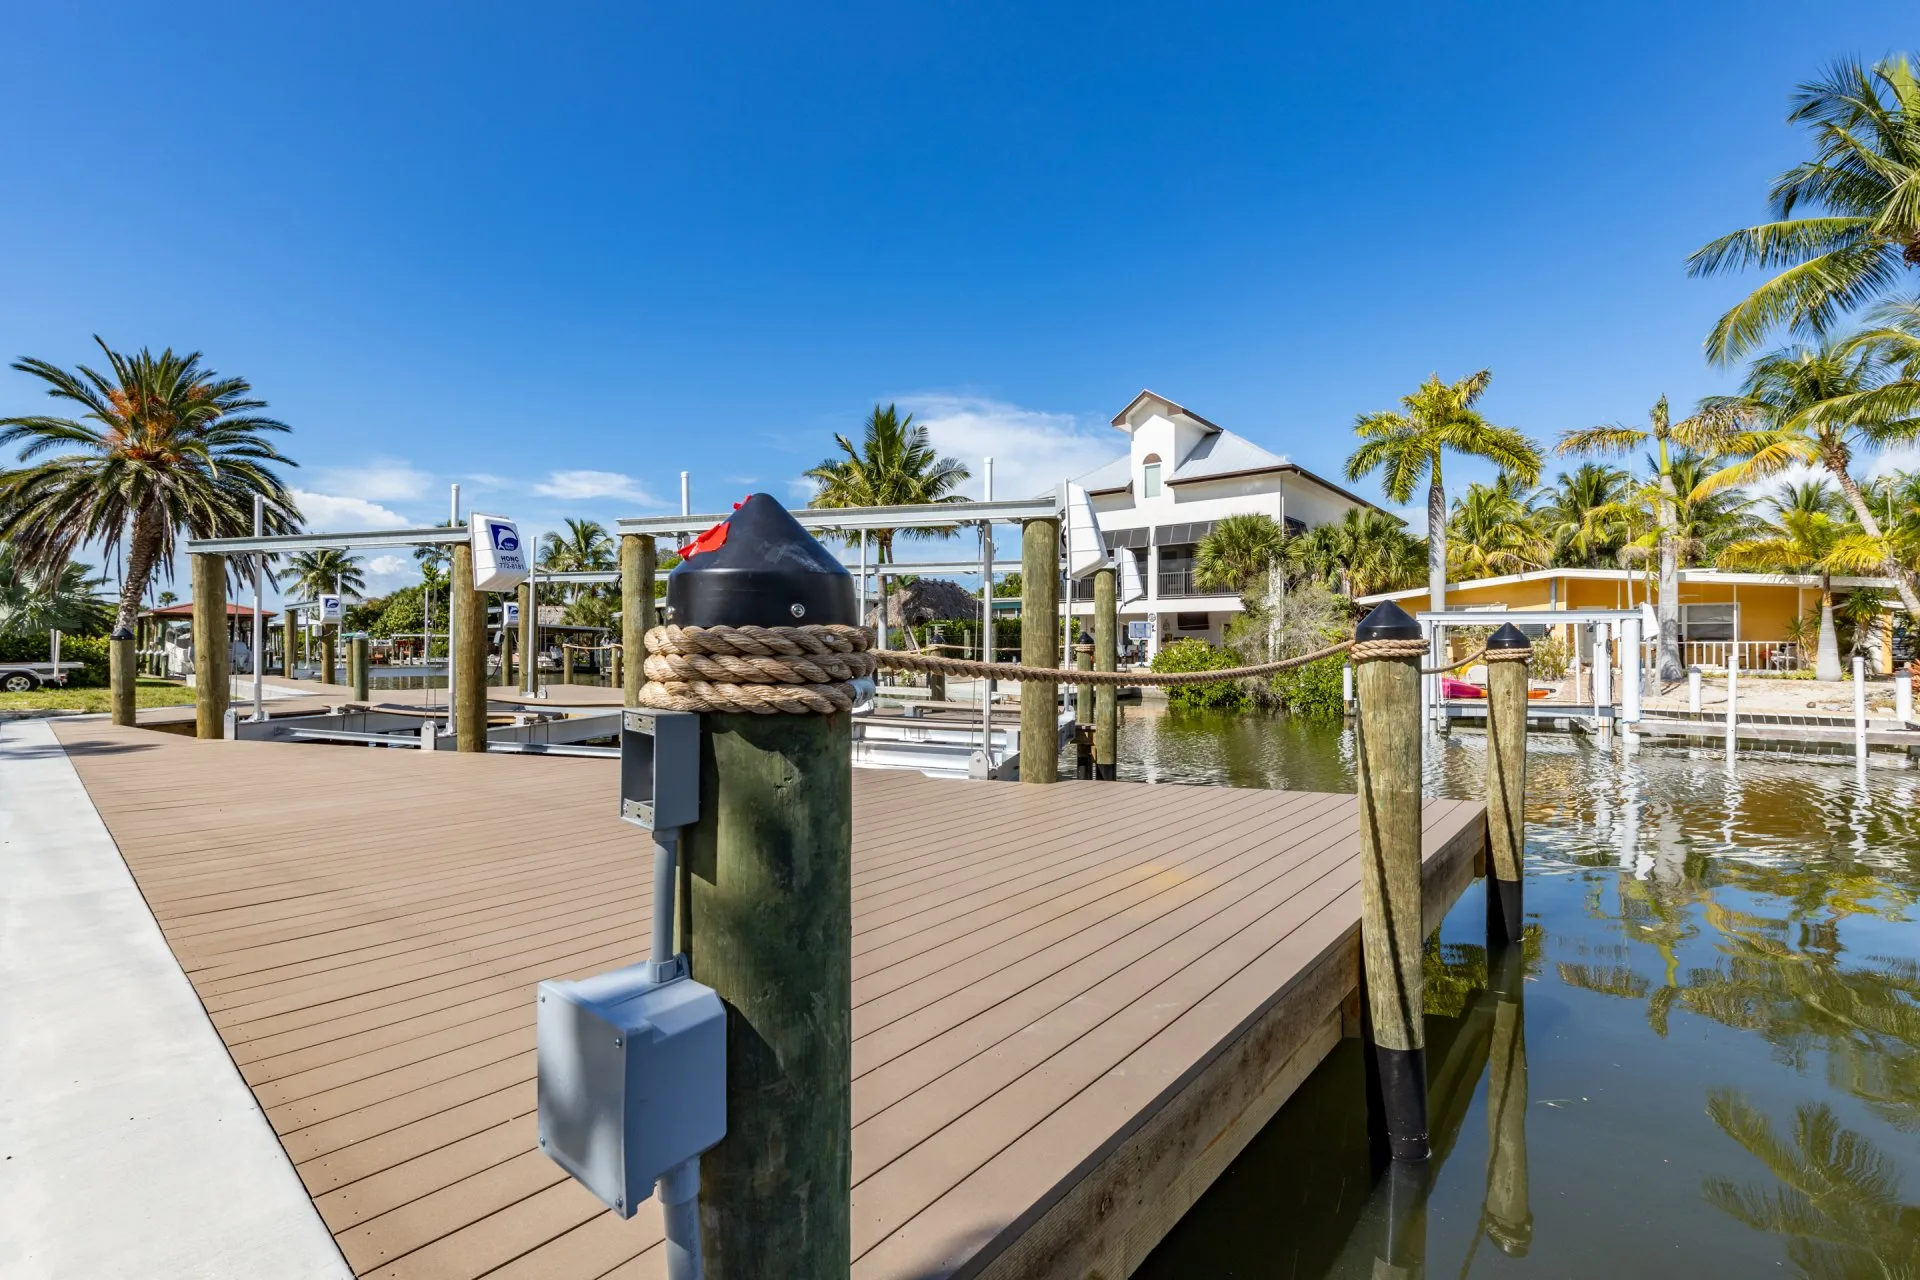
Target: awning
{"type": "Point", "coordinates": [1181, 535]}
{"type": "Point", "coordinates": [1131, 539]}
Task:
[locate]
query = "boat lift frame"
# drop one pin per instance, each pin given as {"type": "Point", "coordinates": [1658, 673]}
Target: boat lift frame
{"type": "Point", "coordinates": [1601, 624]}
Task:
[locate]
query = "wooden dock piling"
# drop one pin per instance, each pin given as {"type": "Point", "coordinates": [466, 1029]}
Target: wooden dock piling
{"type": "Point", "coordinates": [1083, 714]}
{"type": "Point", "coordinates": [357, 665]}
{"type": "Point", "coordinates": [1507, 652]}
{"type": "Point", "coordinates": [123, 674]}
{"type": "Point", "coordinates": [639, 565]}
{"type": "Point", "coordinates": [289, 639]}
{"type": "Point", "coordinates": [1039, 639]}
{"type": "Point", "coordinates": [529, 660]}
{"type": "Point", "coordinates": [1391, 929]}
{"type": "Point", "coordinates": [1106, 657]}
{"type": "Point", "coordinates": [210, 651]}
{"type": "Point", "coordinates": [467, 656]}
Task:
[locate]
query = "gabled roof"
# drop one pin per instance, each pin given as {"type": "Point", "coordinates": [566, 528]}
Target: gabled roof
{"type": "Point", "coordinates": [1111, 478]}
{"type": "Point", "coordinates": [1222, 453]}
{"type": "Point", "coordinates": [1120, 419]}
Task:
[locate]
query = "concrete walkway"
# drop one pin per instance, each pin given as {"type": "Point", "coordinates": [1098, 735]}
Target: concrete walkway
{"type": "Point", "coordinates": [129, 1146]}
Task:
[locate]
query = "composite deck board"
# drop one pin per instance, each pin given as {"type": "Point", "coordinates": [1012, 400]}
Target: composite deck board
{"type": "Point", "coordinates": [1036, 971]}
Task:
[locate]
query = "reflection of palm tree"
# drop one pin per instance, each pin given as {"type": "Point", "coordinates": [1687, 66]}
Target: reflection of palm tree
{"type": "Point", "coordinates": [1839, 1200]}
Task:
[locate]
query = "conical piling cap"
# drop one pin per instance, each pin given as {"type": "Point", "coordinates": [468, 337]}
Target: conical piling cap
{"type": "Point", "coordinates": [1509, 637]}
{"type": "Point", "coordinates": [1388, 621]}
{"type": "Point", "coordinates": [759, 568]}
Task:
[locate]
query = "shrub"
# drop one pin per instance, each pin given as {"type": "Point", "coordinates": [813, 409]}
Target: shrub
{"type": "Point", "coordinates": [1313, 691]}
{"type": "Point", "coordinates": [1197, 655]}
{"type": "Point", "coordinates": [1551, 658]}
{"type": "Point", "coordinates": [91, 650]}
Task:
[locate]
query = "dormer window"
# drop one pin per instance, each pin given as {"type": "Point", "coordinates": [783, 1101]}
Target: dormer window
{"type": "Point", "coordinates": [1150, 476]}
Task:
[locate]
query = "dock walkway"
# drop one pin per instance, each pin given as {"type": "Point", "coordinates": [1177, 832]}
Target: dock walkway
{"type": "Point", "coordinates": [1073, 1004]}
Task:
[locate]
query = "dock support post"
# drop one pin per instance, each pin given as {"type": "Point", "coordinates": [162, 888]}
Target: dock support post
{"type": "Point", "coordinates": [289, 639]}
{"type": "Point", "coordinates": [1506, 782]}
{"type": "Point", "coordinates": [1039, 639]}
{"type": "Point", "coordinates": [768, 916]}
{"type": "Point", "coordinates": [1859, 709]}
{"type": "Point", "coordinates": [1391, 928]}
{"type": "Point", "coordinates": [1902, 697]}
{"type": "Point", "coordinates": [329, 653]}
{"type": "Point", "coordinates": [1083, 715]}
{"type": "Point", "coordinates": [1106, 657]}
{"type": "Point", "coordinates": [122, 672]}
{"type": "Point", "coordinates": [528, 665]}
{"type": "Point", "coordinates": [1733, 700]}
{"type": "Point", "coordinates": [467, 691]}
{"type": "Point", "coordinates": [357, 665]}
{"type": "Point", "coordinates": [638, 567]}
{"type": "Point", "coordinates": [506, 656]}
{"type": "Point", "coordinates": [210, 647]}
{"type": "Point", "coordinates": [1508, 1218]}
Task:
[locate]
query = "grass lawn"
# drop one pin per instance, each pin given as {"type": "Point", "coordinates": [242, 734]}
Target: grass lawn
{"type": "Point", "coordinates": [147, 693]}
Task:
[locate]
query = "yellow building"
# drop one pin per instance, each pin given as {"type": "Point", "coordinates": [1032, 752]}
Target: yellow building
{"type": "Point", "coordinates": [1721, 613]}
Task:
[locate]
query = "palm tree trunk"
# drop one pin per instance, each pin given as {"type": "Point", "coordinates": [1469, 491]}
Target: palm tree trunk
{"type": "Point", "coordinates": [142, 548]}
{"type": "Point", "coordinates": [1826, 663]}
{"type": "Point", "coordinates": [1668, 607]}
{"type": "Point", "coordinates": [1436, 542]}
{"type": "Point", "coordinates": [1903, 581]}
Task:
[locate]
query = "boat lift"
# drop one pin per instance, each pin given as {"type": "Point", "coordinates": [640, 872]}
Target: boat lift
{"type": "Point", "coordinates": [1601, 625]}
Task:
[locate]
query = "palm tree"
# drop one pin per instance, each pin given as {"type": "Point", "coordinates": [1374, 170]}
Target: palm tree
{"type": "Point", "coordinates": [895, 465]}
{"type": "Point", "coordinates": [1664, 433]}
{"type": "Point", "coordinates": [161, 445]}
{"type": "Point", "coordinates": [1367, 551]}
{"type": "Point", "coordinates": [1238, 551]}
{"type": "Point", "coordinates": [326, 572]}
{"type": "Point", "coordinates": [1407, 448]}
{"type": "Point", "coordinates": [1492, 533]}
{"type": "Point", "coordinates": [1579, 515]}
{"type": "Point", "coordinates": [1800, 539]}
{"type": "Point", "coordinates": [583, 548]}
{"type": "Point", "coordinates": [67, 599]}
{"type": "Point", "coordinates": [1703, 523]}
{"type": "Point", "coordinates": [1802, 406]}
{"type": "Point", "coordinates": [1864, 177]}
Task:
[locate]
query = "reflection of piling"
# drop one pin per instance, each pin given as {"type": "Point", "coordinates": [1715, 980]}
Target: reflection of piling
{"type": "Point", "coordinates": [1402, 1251]}
{"type": "Point", "coordinates": [1507, 653]}
{"type": "Point", "coordinates": [210, 652]}
{"type": "Point", "coordinates": [1387, 652]}
{"type": "Point", "coordinates": [1509, 1214]}
{"type": "Point", "coordinates": [1039, 640]}
{"type": "Point", "coordinates": [1106, 657]}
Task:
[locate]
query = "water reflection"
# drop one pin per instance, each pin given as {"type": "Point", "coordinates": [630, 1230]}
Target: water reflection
{"type": "Point", "coordinates": [1705, 1062]}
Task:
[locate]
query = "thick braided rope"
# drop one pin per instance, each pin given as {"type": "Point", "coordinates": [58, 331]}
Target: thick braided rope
{"type": "Point", "coordinates": [1370, 650]}
{"type": "Point", "coordinates": [806, 670]}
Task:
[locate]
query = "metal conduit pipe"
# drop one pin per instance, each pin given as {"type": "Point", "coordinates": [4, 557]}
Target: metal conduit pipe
{"type": "Point", "coordinates": [679, 1187]}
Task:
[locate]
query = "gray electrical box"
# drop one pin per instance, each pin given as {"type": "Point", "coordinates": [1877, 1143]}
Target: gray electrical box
{"type": "Point", "coordinates": [660, 768]}
{"type": "Point", "coordinates": [632, 1079]}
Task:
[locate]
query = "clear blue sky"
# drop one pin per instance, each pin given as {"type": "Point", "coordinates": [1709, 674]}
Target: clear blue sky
{"type": "Point", "coordinates": [561, 252]}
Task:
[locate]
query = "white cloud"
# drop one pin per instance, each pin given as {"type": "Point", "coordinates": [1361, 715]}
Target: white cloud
{"type": "Point", "coordinates": [579, 486]}
{"type": "Point", "coordinates": [332, 513]}
{"type": "Point", "coordinates": [386, 572]}
{"type": "Point", "coordinates": [380, 480]}
{"type": "Point", "coordinates": [1032, 450]}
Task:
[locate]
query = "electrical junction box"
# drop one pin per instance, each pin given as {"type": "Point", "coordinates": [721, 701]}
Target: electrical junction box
{"type": "Point", "coordinates": [660, 769]}
{"type": "Point", "coordinates": [499, 561]}
{"type": "Point", "coordinates": [632, 1079]}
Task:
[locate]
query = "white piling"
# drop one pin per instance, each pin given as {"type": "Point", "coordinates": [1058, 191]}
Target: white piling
{"type": "Point", "coordinates": [1733, 696]}
{"type": "Point", "coordinates": [259, 628]}
{"type": "Point", "coordinates": [1903, 697]}
{"type": "Point", "coordinates": [1693, 690]}
{"type": "Point", "coordinates": [1346, 688]}
{"type": "Point", "coordinates": [686, 496]}
{"type": "Point", "coordinates": [1631, 673]}
{"type": "Point", "coordinates": [1859, 708]}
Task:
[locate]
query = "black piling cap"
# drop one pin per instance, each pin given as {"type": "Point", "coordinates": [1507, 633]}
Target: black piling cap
{"type": "Point", "coordinates": [121, 633]}
{"type": "Point", "coordinates": [1387, 622]}
{"type": "Point", "coordinates": [765, 571]}
{"type": "Point", "coordinates": [1509, 637]}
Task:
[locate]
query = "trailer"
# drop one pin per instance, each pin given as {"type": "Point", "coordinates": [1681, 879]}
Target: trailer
{"type": "Point", "coordinates": [23, 677]}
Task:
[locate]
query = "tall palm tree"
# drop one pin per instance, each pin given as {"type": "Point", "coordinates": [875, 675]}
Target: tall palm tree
{"type": "Point", "coordinates": [1863, 178]}
{"type": "Point", "coordinates": [1664, 434]}
{"type": "Point", "coordinates": [1238, 551]}
{"type": "Point", "coordinates": [325, 572]}
{"type": "Point", "coordinates": [1406, 448]}
{"type": "Point", "coordinates": [895, 465]}
{"type": "Point", "coordinates": [1492, 533]}
{"type": "Point", "coordinates": [67, 599]}
{"type": "Point", "coordinates": [1365, 552]}
{"type": "Point", "coordinates": [1577, 512]}
{"type": "Point", "coordinates": [1803, 406]}
{"type": "Point", "coordinates": [1800, 538]}
{"type": "Point", "coordinates": [160, 445]}
{"type": "Point", "coordinates": [583, 548]}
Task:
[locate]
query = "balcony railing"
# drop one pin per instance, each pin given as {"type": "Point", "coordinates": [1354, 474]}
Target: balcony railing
{"type": "Point", "coordinates": [1754, 655]}
{"type": "Point", "coordinates": [1178, 582]}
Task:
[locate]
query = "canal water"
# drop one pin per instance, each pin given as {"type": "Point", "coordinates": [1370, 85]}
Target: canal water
{"type": "Point", "coordinates": [1705, 1060]}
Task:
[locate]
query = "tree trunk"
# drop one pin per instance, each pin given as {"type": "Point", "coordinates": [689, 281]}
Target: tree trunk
{"type": "Point", "coordinates": [1436, 542]}
{"type": "Point", "coordinates": [1903, 581]}
{"type": "Point", "coordinates": [142, 547]}
{"type": "Point", "coordinates": [1826, 665]}
{"type": "Point", "coordinates": [1668, 606]}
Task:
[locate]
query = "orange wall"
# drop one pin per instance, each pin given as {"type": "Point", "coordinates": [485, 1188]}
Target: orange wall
{"type": "Point", "coordinates": [1766, 609]}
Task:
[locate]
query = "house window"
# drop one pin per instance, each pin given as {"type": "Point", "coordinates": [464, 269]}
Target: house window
{"type": "Point", "coordinates": [1191, 621]}
{"type": "Point", "coordinates": [1708, 621]}
{"type": "Point", "coordinates": [1150, 477]}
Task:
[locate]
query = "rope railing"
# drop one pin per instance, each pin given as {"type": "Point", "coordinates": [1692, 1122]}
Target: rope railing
{"type": "Point", "coordinates": [811, 669]}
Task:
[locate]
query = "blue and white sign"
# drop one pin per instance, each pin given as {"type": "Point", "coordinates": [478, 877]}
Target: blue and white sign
{"type": "Point", "coordinates": [499, 561]}
{"type": "Point", "coordinates": [1140, 630]}
{"type": "Point", "coordinates": [511, 617]}
{"type": "Point", "coordinates": [329, 610]}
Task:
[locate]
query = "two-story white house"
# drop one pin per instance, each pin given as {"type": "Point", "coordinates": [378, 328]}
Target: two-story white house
{"type": "Point", "coordinates": [1181, 475]}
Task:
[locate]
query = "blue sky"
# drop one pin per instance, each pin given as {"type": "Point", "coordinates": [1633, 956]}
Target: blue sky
{"type": "Point", "coordinates": [560, 253]}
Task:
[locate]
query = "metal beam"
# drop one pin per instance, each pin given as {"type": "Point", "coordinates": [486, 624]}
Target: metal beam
{"type": "Point", "coordinates": [943, 515]}
{"type": "Point", "coordinates": [1523, 617]}
{"type": "Point", "coordinates": [576, 575]}
{"type": "Point", "coordinates": [439, 535]}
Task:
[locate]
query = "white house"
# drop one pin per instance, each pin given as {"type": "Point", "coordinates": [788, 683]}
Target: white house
{"type": "Point", "coordinates": [1181, 475]}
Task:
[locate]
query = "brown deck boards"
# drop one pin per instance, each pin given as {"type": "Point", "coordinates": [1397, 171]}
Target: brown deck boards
{"type": "Point", "coordinates": [1045, 978]}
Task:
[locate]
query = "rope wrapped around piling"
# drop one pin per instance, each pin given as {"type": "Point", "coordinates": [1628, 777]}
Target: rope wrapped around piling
{"type": "Point", "coordinates": [810, 670]}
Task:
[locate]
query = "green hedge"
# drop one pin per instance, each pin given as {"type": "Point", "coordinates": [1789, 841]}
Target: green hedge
{"type": "Point", "coordinates": [1312, 692]}
{"type": "Point", "coordinates": [1193, 654]}
{"type": "Point", "coordinates": [91, 650]}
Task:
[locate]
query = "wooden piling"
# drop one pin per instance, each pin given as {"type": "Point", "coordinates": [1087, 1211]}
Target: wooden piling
{"type": "Point", "coordinates": [289, 639]}
{"type": "Point", "coordinates": [329, 654]}
{"type": "Point", "coordinates": [467, 657]}
{"type": "Point", "coordinates": [211, 655]}
{"type": "Point", "coordinates": [1508, 1216]}
{"type": "Point", "coordinates": [1083, 695]}
{"type": "Point", "coordinates": [1506, 783]}
{"type": "Point", "coordinates": [506, 657]}
{"type": "Point", "coordinates": [528, 659]}
{"type": "Point", "coordinates": [1039, 641]}
{"type": "Point", "coordinates": [1391, 932]}
{"type": "Point", "coordinates": [1106, 657]}
{"type": "Point", "coordinates": [357, 666]}
{"type": "Point", "coordinates": [122, 676]}
{"type": "Point", "coordinates": [639, 565]}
